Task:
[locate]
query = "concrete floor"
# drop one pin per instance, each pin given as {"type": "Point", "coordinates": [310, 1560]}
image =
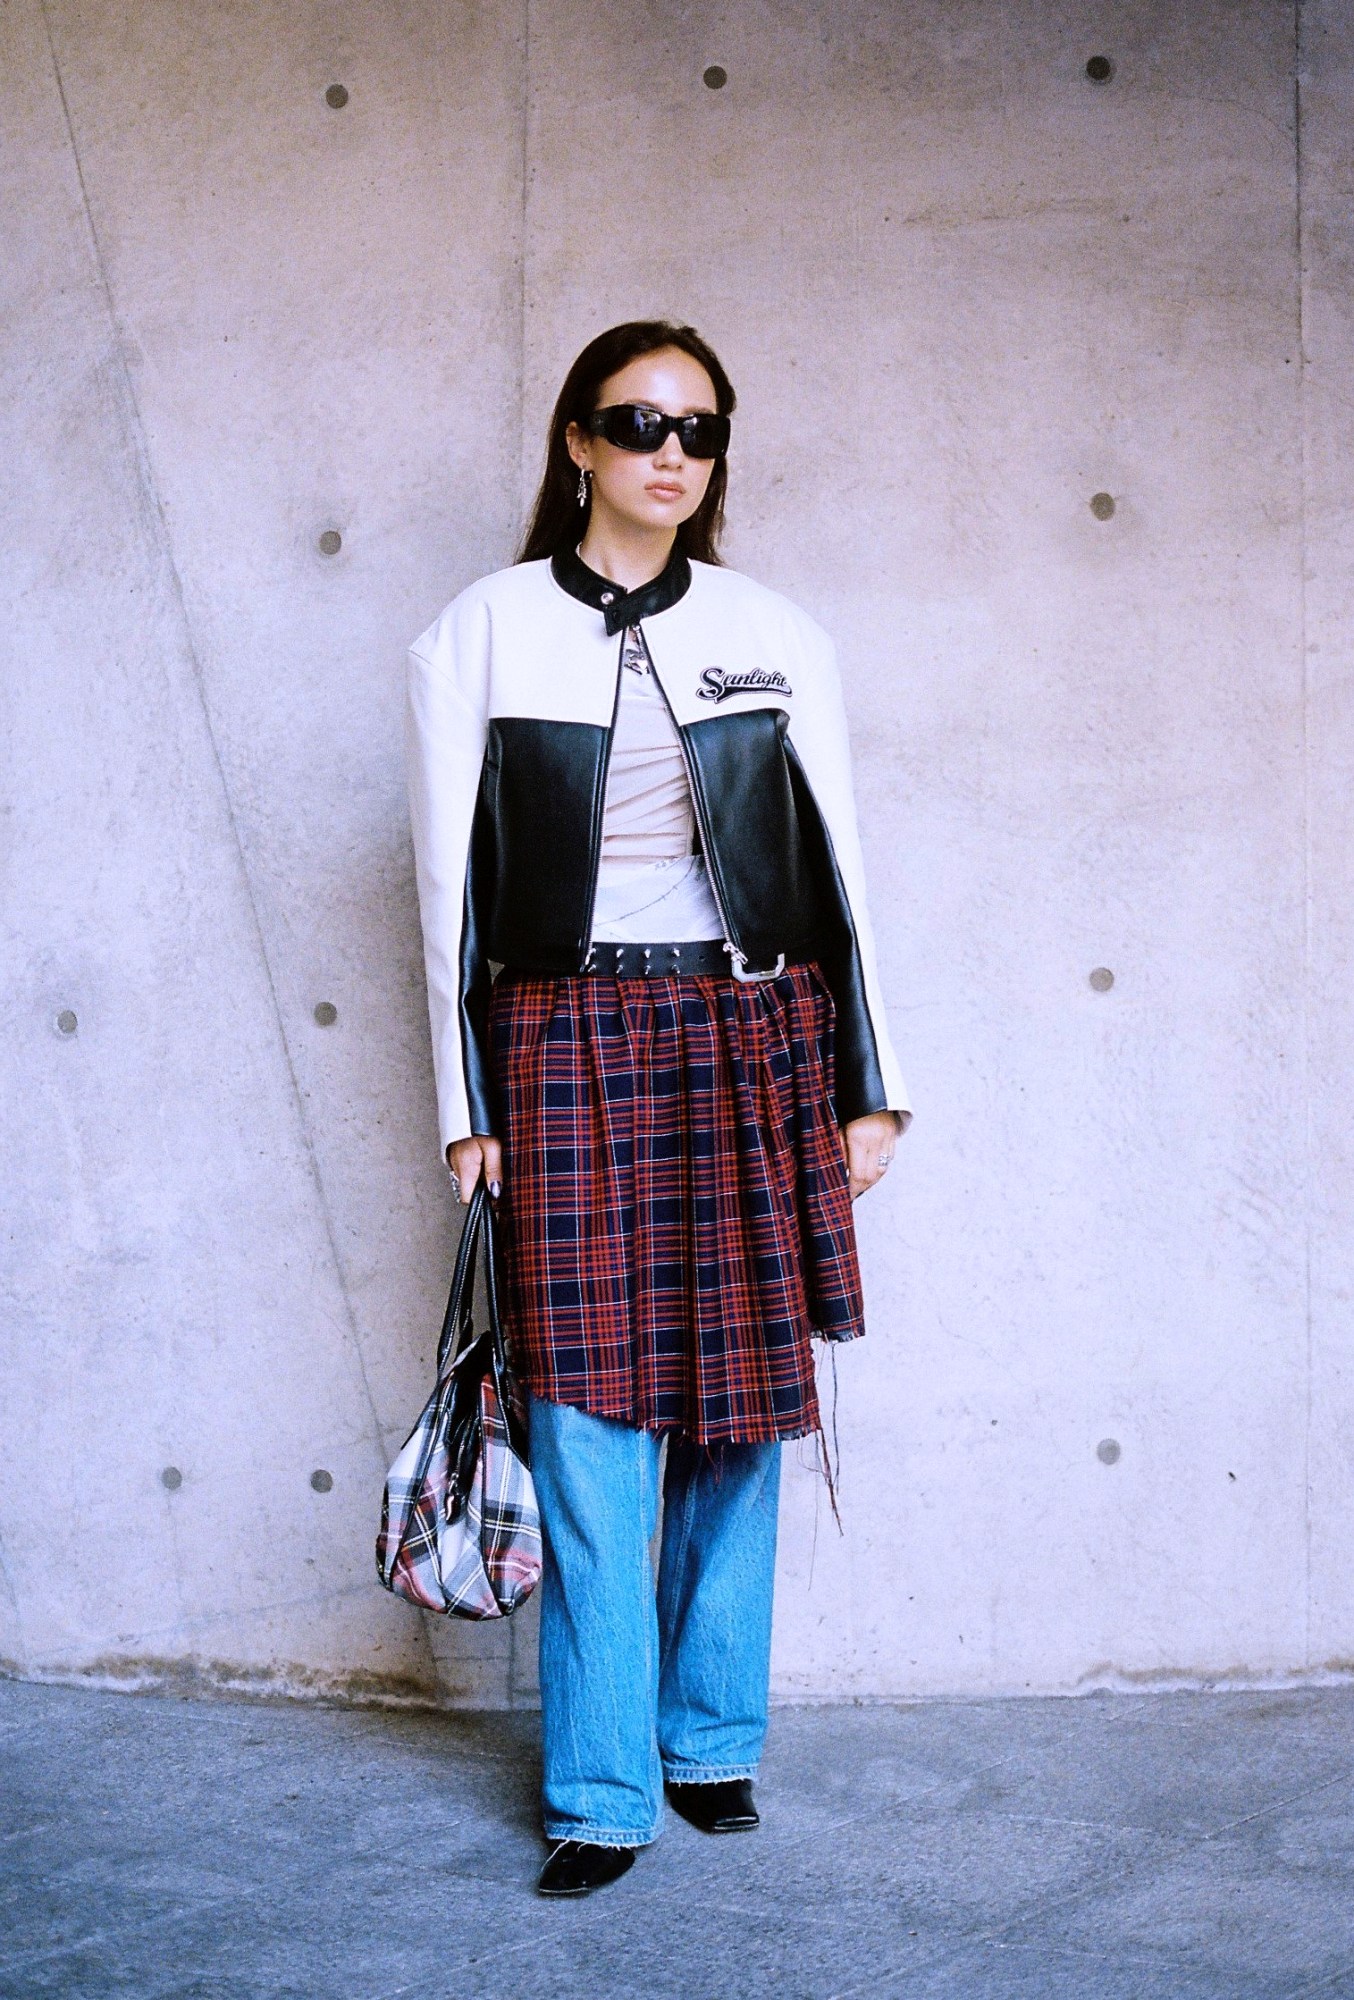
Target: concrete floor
{"type": "Point", "coordinates": [1170, 1847]}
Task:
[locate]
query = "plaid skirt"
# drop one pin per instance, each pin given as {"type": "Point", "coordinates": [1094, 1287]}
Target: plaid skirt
{"type": "Point", "coordinates": [675, 1219]}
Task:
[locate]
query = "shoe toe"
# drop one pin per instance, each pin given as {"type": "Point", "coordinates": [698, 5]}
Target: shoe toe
{"type": "Point", "coordinates": [724, 1806]}
{"type": "Point", "coordinates": [577, 1867]}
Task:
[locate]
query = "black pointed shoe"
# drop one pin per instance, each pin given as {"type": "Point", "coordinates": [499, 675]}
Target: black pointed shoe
{"type": "Point", "coordinates": [723, 1807]}
{"type": "Point", "coordinates": [577, 1867]}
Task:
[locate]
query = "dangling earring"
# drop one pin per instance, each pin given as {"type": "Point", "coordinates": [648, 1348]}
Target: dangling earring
{"type": "Point", "coordinates": [583, 489]}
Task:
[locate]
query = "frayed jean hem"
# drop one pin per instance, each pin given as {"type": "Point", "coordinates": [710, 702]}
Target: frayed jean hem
{"type": "Point", "coordinates": [706, 1774]}
{"type": "Point", "coordinates": [599, 1836]}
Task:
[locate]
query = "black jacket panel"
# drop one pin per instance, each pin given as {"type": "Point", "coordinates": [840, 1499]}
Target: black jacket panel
{"type": "Point", "coordinates": [547, 782]}
{"type": "Point", "coordinates": [755, 854]}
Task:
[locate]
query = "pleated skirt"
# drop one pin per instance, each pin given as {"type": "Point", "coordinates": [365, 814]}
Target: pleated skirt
{"type": "Point", "coordinates": [675, 1219]}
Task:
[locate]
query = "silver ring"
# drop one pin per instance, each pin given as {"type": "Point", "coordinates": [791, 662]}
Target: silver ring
{"type": "Point", "coordinates": [455, 1180]}
{"type": "Point", "coordinates": [886, 1159]}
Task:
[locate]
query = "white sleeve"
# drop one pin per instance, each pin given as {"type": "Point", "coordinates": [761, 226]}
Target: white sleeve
{"type": "Point", "coordinates": [446, 728]}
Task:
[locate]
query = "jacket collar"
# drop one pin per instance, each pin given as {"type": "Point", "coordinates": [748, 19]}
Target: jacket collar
{"type": "Point", "coordinates": [622, 607]}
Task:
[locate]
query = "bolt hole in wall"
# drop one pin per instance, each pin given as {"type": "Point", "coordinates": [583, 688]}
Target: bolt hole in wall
{"type": "Point", "coordinates": [326, 1013]}
{"type": "Point", "coordinates": [1108, 1452]}
{"type": "Point", "coordinates": [321, 1481]}
{"type": "Point", "coordinates": [715, 77]}
{"type": "Point", "coordinates": [336, 97]}
{"type": "Point", "coordinates": [1102, 979]}
{"type": "Point", "coordinates": [1100, 69]}
{"type": "Point", "coordinates": [330, 542]}
{"type": "Point", "coordinates": [66, 1022]}
{"type": "Point", "coordinates": [1102, 506]}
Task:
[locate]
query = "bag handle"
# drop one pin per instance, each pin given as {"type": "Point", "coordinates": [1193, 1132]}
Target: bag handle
{"type": "Point", "coordinates": [498, 1346]}
{"type": "Point", "coordinates": [490, 1228]}
{"type": "Point", "coordinates": [479, 1236]}
{"type": "Point", "coordinates": [458, 1319]}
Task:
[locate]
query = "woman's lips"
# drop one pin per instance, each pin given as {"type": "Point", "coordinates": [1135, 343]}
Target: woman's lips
{"type": "Point", "coordinates": [665, 489]}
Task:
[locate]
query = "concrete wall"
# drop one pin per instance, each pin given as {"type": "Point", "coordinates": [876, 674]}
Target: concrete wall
{"type": "Point", "coordinates": [1103, 1426]}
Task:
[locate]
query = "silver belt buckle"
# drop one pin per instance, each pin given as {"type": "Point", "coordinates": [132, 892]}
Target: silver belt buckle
{"type": "Point", "coordinates": [738, 965]}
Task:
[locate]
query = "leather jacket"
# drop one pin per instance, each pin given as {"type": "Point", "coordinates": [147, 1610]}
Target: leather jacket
{"type": "Point", "coordinates": [512, 703]}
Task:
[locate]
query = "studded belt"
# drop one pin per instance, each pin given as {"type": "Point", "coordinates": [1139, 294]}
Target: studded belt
{"type": "Point", "coordinates": [668, 961]}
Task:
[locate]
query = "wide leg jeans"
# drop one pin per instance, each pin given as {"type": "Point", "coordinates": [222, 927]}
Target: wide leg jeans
{"type": "Point", "coordinates": [645, 1681]}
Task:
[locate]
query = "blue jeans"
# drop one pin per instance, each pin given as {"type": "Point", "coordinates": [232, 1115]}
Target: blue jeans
{"type": "Point", "coordinates": [638, 1684]}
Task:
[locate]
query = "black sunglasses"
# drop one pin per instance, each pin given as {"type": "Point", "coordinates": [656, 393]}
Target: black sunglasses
{"type": "Point", "coordinates": [635, 427]}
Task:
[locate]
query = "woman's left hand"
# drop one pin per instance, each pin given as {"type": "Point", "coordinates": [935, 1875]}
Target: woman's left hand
{"type": "Point", "coordinates": [867, 1145]}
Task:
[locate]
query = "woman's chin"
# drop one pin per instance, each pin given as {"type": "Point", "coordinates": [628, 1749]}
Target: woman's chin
{"type": "Point", "coordinates": [658, 514]}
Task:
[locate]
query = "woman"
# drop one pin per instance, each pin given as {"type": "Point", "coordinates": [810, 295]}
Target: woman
{"type": "Point", "coordinates": [630, 790]}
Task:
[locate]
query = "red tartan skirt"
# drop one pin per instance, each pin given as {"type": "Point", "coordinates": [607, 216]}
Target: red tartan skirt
{"type": "Point", "coordinates": [675, 1219]}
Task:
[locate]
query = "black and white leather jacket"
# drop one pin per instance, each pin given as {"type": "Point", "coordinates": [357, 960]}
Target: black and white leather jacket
{"type": "Point", "coordinates": [512, 702]}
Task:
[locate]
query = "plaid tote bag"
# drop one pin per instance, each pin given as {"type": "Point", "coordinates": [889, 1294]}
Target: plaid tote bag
{"type": "Point", "coordinates": [460, 1531]}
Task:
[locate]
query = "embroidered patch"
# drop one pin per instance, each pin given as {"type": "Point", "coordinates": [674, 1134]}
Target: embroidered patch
{"type": "Point", "coordinates": [719, 682]}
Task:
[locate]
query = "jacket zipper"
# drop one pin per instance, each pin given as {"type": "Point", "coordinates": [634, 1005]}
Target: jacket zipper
{"type": "Point", "coordinates": [599, 806]}
{"type": "Point", "coordinates": [697, 805]}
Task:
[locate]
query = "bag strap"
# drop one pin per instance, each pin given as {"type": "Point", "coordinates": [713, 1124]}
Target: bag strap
{"type": "Point", "coordinates": [458, 1319]}
{"type": "Point", "coordinates": [497, 1341]}
{"type": "Point", "coordinates": [498, 1346]}
{"type": "Point", "coordinates": [480, 1238]}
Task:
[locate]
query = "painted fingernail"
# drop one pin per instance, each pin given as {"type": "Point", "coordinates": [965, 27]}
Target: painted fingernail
{"type": "Point", "coordinates": [495, 1189]}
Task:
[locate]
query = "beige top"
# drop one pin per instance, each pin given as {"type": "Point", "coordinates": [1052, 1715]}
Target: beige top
{"type": "Point", "coordinates": [651, 885]}
{"type": "Point", "coordinates": [648, 816]}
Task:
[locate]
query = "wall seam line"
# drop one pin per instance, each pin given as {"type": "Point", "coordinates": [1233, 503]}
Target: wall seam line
{"type": "Point", "coordinates": [524, 217]}
{"type": "Point", "coordinates": [141, 453]}
{"type": "Point", "coordinates": [1307, 881]}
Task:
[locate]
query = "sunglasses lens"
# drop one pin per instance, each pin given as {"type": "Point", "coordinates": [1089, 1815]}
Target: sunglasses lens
{"type": "Point", "coordinates": [630, 427]}
{"type": "Point", "coordinates": [704, 436]}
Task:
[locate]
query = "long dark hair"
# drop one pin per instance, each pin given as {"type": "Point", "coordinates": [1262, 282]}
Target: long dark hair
{"type": "Point", "coordinates": [557, 520]}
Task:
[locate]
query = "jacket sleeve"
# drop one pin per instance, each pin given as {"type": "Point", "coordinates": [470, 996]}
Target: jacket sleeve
{"type": "Point", "coordinates": [446, 730]}
{"type": "Point", "coordinates": [867, 1072]}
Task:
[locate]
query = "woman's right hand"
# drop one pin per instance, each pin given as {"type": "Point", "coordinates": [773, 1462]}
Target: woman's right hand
{"type": "Point", "coordinates": [467, 1158]}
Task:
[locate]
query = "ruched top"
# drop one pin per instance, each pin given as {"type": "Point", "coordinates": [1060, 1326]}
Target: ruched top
{"type": "Point", "coordinates": [651, 884]}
